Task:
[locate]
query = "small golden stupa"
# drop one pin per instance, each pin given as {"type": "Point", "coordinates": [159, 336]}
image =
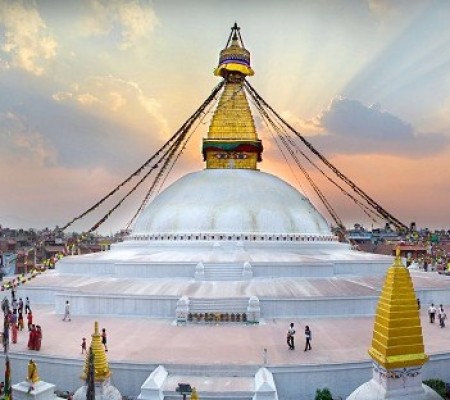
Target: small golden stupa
{"type": "Point", "coordinates": [397, 346]}
{"type": "Point", "coordinates": [101, 366]}
{"type": "Point", "coordinates": [397, 336]}
{"type": "Point", "coordinates": [104, 390]}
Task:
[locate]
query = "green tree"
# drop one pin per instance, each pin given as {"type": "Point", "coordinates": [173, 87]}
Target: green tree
{"type": "Point", "coordinates": [323, 394]}
{"type": "Point", "coordinates": [438, 386]}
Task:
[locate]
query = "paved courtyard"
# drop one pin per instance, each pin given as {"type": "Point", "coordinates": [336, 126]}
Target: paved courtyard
{"type": "Point", "coordinates": [335, 340]}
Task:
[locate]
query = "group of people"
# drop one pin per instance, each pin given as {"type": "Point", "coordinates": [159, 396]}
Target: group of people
{"type": "Point", "coordinates": [15, 319]}
{"type": "Point", "coordinates": [35, 338]}
{"type": "Point", "coordinates": [16, 323]}
{"type": "Point", "coordinates": [291, 334]}
{"type": "Point", "coordinates": [432, 311]}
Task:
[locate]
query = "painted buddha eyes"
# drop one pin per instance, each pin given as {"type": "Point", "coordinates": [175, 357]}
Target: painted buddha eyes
{"type": "Point", "coordinates": [235, 156]}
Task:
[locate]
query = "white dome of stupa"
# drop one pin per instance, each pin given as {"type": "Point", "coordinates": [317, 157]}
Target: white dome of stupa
{"type": "Point", "coordinates": [231, 201]}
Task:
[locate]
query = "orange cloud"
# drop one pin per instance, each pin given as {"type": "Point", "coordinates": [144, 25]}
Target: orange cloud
{"type": "Point", "coordinates": [27, 40]}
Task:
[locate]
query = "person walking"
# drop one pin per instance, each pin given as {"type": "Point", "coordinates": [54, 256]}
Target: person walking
{"type": "Point", "coordinates": [14, 332]}
{"type": "Point", "coordinates": [30, 320]}
{"type": "Point", "coordinates": [83, 345]}
{"type": "Point", "coordinates": [104, 338]}
{"type": "Point", "coordinates": [442, 316]}
{"type": "Point", "coordinates": [67, 311]}
{"type": "Point", "coordinates": [20, 321]}
{"type": "Point", "coordinates": [290, 336]}
{"type": "Point", "coordinates": [12, 318]}
{"type": "Point", "coordinates": [20, 305]}
{"type": "Point", "coordinates": [308, 338]}
{"type": "Point", "coordinates": [432, 313]}
{"type": "Point", "coordinates": [27, 306]}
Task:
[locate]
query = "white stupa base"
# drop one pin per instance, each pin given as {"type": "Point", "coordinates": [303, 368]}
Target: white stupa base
{"type": "Point", "coordinates": [395, 384]}
{"type": "Point", "coordinates": [39, 391]}
{"type": "Point", "coordinates": [265, 388]}
{"type": "Point", "coordinates": [152, 389]}
{"type": "Point", "coordinates": [103, 391]}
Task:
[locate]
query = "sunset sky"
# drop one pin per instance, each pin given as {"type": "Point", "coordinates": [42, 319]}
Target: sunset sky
{"type": "Point", "coordinates": [90, 89]}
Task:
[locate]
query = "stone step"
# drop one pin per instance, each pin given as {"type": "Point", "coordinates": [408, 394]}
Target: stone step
{"type": "Point", "coordinates": [224, 271]}
{"type": "Point", "coordinates": [234, 273]}
{"type": "Point", "coordinates": [230, 278]}
{"type": "Point", "coordinates": [222, 306]}
{"type": "Point", "coordinates": [218, 265]}
{"type": "Point", "coordinates": [221, 272]}
{"type": "Point", "coordinates": [215, 278]}
{"type": "Point", "coordinates": [212, 387]}
{"type": "Point", "coordinates": [219, 303]}
{"type": "Point", "coordinates": [222, 309]}
{"type": "Point", "coordinates": [211, 384]}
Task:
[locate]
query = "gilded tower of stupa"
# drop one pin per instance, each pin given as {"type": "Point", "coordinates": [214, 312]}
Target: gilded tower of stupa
{"type": "Point", "coordinates": [397, 348]}
{"type": "Point", "coordinates": [232, 141]}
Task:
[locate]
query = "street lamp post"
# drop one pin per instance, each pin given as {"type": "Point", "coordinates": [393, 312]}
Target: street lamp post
{"type": "Point", "coordinates": [184, 389]}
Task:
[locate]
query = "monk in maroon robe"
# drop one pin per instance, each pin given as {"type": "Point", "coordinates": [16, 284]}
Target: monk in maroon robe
{"type": "Point", "coordinates": [32, 338]}
{"type": "Point", "coordinates": [38, 338]}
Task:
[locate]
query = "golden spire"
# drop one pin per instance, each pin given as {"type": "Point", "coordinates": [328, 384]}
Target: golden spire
{"type": "Point", "coordinates": [101, 367]}
{"type": "Point", "coordinates": [234, 57]}
{"type": "Point", "coordinates": [232, 140]}
{"type": "Point", "coordinates": [397, 335]}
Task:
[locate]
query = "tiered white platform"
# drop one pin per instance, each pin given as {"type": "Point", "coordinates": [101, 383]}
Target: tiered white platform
{"type": "Point", "coordinates": [149, 280]}
{"type": "Point", "coordinates": [226, 242]}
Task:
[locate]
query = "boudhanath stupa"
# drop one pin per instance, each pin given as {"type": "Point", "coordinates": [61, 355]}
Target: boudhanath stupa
{"type": "Point", "coordinates": [213, 272]}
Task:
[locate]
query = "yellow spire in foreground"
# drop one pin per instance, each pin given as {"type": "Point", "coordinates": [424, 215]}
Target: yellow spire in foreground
{"type": "Point", "coordinates": [397, 335]}
{"type": "Point", "coordinates": [232, 141]}
{"type": "Point", "coordinates": [194, 394]}
{"type": "Point", "coordinates": [101, 366]}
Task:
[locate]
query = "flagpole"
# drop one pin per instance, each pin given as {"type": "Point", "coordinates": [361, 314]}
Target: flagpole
{"type": "Point", "coordinates": [7, 387]}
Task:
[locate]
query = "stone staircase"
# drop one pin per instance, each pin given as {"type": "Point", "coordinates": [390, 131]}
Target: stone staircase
{"type": "Point", "coordinates": [248, 384]}
{"type": "Point", "coordinates": [212, 388]}
{"type": "Point", "coordinates": [218, 308]}
{"type": "Point", "coordinates": [219, 305]}
{"type": "Point", "coordinates": [224, 272]}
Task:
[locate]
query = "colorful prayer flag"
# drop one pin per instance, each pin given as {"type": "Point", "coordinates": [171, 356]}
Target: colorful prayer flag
{"type": "Point", "coordinates": [7, 388]}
